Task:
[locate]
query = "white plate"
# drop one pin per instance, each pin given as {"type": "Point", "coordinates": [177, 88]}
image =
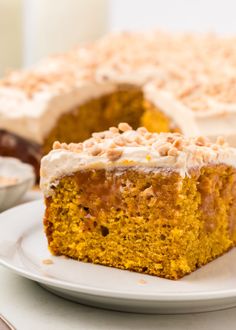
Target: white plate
{"type": "Point", "coordinates": [23, 247]}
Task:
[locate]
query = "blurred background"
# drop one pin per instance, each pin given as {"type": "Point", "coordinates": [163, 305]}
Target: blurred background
{"type": "Point", "coordinates": [32, 29]}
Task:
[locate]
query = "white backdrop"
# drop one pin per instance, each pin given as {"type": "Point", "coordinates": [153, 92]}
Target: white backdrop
{"type": "Point", "coordinates": [177, 15]}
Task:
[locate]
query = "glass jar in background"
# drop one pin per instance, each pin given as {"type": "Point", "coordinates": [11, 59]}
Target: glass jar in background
{"type": "Point", "coordinates": [10, 34]}
{"type": "Point", "coordinates": [33, 29]}
{"type": "Point", "coordinates": [56, 25]}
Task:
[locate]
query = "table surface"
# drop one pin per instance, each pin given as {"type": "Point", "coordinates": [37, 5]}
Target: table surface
{"type": "Point", "coordinates": [28, 306]}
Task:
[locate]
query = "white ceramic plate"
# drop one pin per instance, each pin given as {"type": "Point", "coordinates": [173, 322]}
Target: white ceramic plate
{"type": "Point", "coordinates": [24, 173]}
{"type": "Point", "coordinates": [23, 248]}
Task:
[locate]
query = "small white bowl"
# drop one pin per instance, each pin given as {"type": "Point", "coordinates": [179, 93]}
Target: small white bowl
{"type": "Point", "coordinates": [24, 173]}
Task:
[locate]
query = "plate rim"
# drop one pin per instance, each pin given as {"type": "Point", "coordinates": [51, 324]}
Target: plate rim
{"type": "Point", "coordinates": [108, 293]}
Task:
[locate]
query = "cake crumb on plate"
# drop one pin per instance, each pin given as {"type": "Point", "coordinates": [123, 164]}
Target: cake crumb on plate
{"type": "Point", "coordinates": [47, 262]}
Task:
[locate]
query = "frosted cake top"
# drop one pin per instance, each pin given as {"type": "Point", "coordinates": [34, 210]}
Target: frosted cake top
{"type": "Point", "coordinates": [125, 147]}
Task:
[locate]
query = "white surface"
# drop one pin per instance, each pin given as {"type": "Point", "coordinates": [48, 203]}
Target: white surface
{"type": "Point", "coordinates": [177, 15]}
{"type": "Point", "coordinates": [24, 247]}
{"type": "Point", "coordinates": [28, 307]}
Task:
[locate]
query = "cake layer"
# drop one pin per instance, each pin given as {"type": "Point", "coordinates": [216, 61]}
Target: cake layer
{"type": "Point", "coordinates": [148, 220]}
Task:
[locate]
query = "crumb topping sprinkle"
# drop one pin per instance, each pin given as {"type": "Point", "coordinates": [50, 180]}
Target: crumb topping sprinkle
{"type": "Point", "coordinates": [123, 147]}
{"type": "Point", "coordinates": [113, 142]}
{"type": "Point", "coordinates": [199, 70]}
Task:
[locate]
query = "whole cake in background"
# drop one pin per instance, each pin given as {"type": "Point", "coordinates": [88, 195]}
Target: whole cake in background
{"type": "Point", "coordinates": [164, 82]}
{"type": "Point", "coordinates": [159, 204]}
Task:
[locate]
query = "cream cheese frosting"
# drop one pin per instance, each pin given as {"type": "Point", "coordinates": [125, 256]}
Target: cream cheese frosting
{"type": "Point", "coordinates": [193, 123]}
{"type": "Point", "coordinates": [124, 147]}
{"type": "Point", "coordinates": [191, 78]}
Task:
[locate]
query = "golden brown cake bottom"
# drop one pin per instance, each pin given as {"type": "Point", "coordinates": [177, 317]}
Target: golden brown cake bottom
{"type": "Point", "coordinates": [150, 221]}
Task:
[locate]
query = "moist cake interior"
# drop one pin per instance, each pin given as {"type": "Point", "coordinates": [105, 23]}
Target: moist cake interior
{"type": "Point", "coordinates": [156, 223]}
{"type": "Point", "coordinates": [127, 104]}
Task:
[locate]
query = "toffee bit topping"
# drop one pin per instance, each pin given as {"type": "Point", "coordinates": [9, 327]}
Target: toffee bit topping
{"type": "Point", "coordinates": [220, 140]}
{"type": "Point", "coordinates": [201, 141]}
{"type": "Point", "coordinates": [173, 152]}
{"type": "Point", "coordinates": [142, 130]}
{"type": "Point", "coordinates": [56, 145]}
{"type": "Point", "coordinates": [178, 143]}
{"type": "Point", "coordinates": [100, 135]}
{"type": "Point", "coordinates": [114, 154]}
{"type": "Point", "coordinates": [197, 70]}
{"type": "Point", "coordinates": [89, 143]}
{"type": "Point", "coordinates": [111, 144]}
{"type": "Point", "coordinates": [123, 127]}
{"type": "Point", "coordinates": [163, 150]}
{"type": "Point", "coordinates": [119, 141]}
{"type": "Point", "coordinates": [78, 147]}
{"type": "Point", "coordinates": [96, 150]}
{"type": "Point", "coordinates": [148, 136]}
{"type": "Point", "coordinates": [114, 129]}
{"type": "Point", "coordinates": [215, 147]}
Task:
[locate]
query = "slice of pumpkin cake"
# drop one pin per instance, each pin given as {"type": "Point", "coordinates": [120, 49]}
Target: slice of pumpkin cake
{"type": "Point", "coordinates": [160, 204]}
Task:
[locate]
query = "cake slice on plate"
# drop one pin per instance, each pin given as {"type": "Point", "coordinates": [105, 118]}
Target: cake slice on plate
{"type": "Point", "coordinates": [159, 204]}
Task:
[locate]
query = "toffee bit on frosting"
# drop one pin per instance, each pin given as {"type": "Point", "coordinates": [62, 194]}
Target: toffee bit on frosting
{"type": "Point", "coordinates": [178, 143]}
{"type": "Point", "coordinates": [99, 135]}
{"type": "Point", "coordinates": [96, 150]}
{"type": "Point", "coordinates": [163, 150]}
{"type": "Point", "coordinates": [173, 152]}
{"type": "Point", "coordinates": [113, 142]}
{"type": "Point", "coordinates": [119, 141]}
{"type": "Point", "coordinates": [123, 127]}
{"type": "Point", "coordinates": [186, 66]}
{"type": "Point", "coordinates": [89, 143]}
{"type": "Point", "coordinates": [56, 145]}
{"type": "Point", "coordinates": [148, 136]}
{"type": "Point", "coordinates": [114, 129]}
{"type": "Point", "coordinates": [220, 140]}
{"type": "Point", "coordinates": [114, 154]}
{"type": "Point", "coordinates": [201, 141]}
{"type": "Point", "coordinates": [142, 130]}
{"type": "Point", "coordinates": [215, 147]}
{"type": "Point", "coordinates": [77, 147]}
